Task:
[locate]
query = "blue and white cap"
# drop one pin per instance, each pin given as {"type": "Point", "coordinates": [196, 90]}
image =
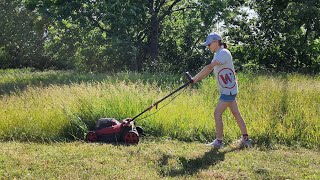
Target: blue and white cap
{"type": "Point", "coordinates": [212, 37]}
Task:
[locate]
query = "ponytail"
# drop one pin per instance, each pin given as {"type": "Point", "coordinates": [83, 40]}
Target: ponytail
{"type": "Point", "coordinates": [223, 44]}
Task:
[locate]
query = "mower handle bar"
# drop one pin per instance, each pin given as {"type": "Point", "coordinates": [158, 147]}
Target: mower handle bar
{"type": "Point", "coordinates": [156, 103]}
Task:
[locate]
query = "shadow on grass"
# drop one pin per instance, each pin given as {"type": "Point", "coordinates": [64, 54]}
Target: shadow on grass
{"type": "Point", "coordinates": [192, 166]}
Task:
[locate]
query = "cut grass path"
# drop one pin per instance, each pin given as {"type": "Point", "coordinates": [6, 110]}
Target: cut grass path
{"type": "Point", "coordinates": [154, 159]}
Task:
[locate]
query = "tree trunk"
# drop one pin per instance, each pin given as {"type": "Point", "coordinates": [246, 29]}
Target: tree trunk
{"type": "Point", "coordinates": [154, 40]}
{"type": "Point", "coordinates": [154, 33]}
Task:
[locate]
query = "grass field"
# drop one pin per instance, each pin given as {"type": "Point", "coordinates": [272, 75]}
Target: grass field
{"type": "Point", "coordinates": [60, 105]}
{"type": "Point", "coordinates": [154, 159]}
{"type": "Point", "coordinates": [45, 115]}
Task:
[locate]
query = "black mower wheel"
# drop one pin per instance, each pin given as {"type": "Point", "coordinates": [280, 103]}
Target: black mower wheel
{"type": "Point", "coordinates": [140, 130]}
{"type": "Point", "coordinates": [131, 137]}
{"type": "Point", "coordinates": [91, 137]}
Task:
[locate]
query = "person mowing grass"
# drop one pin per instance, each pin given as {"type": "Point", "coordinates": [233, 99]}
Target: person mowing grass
{"type": "Point", "coordinates": [223, 68]}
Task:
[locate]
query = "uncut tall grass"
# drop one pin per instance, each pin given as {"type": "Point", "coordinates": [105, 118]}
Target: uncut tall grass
{"type": "Point", "coordinates": [277, 109]}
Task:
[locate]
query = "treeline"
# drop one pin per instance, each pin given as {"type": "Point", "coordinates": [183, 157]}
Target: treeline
{"type": "Point", "coordinates": [158, 35]}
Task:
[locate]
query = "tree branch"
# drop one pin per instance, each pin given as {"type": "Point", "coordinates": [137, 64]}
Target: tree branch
{"type": "Point", "coordinates": [160, 4]}
{"type": "Point", "coordinates": [151, 10]}
{"type": "Point", "coordinates": [169, 10]}
{"type": "Point", "coordinates": [97, 24]}
{"type": "Point", "coordinates": [185, 8]}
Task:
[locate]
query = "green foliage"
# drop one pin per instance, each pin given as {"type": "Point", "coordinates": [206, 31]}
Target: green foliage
{"type": "Point", "coordinates": [134, 35]}
{"type": "Point", "coordinates": [279, 35]}
{"type": "Point", "coordinates": [162, 36]}
{"type": "Point", "coordinates": [20, 37]}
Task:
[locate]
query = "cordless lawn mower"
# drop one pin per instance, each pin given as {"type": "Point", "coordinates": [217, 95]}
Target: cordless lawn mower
{"type": "Point", "coordinates": [110, 130]}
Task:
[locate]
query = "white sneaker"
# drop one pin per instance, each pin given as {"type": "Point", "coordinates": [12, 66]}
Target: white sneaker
{"type": "Point", "coordinates": [216, 144]}
{"type": "Point", "coordinates": [245, 142]}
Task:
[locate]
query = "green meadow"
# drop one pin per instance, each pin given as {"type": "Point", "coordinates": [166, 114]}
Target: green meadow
{"type": "Point", "coordinates": [44, 117]}
{"type": "Point", "coordinates": [62, 105]}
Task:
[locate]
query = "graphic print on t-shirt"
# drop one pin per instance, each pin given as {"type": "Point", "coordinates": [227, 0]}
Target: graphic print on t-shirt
{"type": "Point", "coordinates": [226, 78]}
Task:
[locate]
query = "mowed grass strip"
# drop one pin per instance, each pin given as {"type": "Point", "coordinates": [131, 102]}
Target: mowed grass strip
{"type": "Point", "coordinates": [154, 159]}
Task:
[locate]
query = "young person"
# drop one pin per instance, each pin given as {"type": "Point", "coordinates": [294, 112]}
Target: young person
{"type": "Point", "coordinates": [223, 68]}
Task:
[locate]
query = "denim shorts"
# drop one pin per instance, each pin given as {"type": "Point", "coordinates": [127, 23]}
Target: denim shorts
{"type": "Point", "coordinates": [227, 98]}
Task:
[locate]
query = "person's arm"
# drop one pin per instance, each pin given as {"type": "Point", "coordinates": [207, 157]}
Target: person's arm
{"type": "Point", "coordinates": [205, 71]}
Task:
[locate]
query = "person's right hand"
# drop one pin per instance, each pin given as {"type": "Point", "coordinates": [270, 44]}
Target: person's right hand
{"type": "Point", "coordinates": [193, 81]}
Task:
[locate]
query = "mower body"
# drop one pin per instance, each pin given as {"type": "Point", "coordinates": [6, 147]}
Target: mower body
{"type": "Point", "coordinates": [110, 130]}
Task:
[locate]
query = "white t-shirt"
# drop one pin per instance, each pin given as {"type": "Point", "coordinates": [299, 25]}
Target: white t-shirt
{"type": "Point", "coordinates": [225, 73]}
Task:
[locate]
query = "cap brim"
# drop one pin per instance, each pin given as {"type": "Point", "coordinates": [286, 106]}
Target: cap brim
{"type": "Point", "coordinates": [205, 44]}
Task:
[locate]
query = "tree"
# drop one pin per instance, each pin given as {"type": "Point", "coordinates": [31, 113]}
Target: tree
{"type": "Point", "coordinates": [20, 37]}
{"type": "Point", "coordinates": [93, 34]}
{"type": "Point", "coordinates": [282, 36]}
{"type": "Point", "coordinates": [128, 30]}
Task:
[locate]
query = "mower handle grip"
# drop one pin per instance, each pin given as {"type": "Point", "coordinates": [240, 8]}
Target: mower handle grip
{"type": "Point", "coordinates": [189, 76]}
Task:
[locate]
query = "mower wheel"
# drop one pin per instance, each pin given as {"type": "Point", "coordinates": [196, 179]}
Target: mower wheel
{"type": "Point", "coordinates": [91, 137]}
{"type": "Point", "coordinates": [131, 137]}
{"type": "Point", "coordinates": [140, 130]}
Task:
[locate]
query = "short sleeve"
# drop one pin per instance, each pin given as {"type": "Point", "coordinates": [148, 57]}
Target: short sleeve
{"type": "Point", "coordinates": [221, 57]}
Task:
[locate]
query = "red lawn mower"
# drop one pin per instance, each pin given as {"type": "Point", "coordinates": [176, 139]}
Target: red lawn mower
{"type": "Point", "coordinates": [110, 130]}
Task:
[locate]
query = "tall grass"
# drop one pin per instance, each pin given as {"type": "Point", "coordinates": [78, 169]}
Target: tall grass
{"type": "Point", "coordinates": [278, 109]}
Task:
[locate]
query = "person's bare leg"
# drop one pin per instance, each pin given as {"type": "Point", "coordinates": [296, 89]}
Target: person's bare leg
{"type": "Point", "coordinates": [236, 113]}
{"type": "Point", "coordinates": [221, 107]}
